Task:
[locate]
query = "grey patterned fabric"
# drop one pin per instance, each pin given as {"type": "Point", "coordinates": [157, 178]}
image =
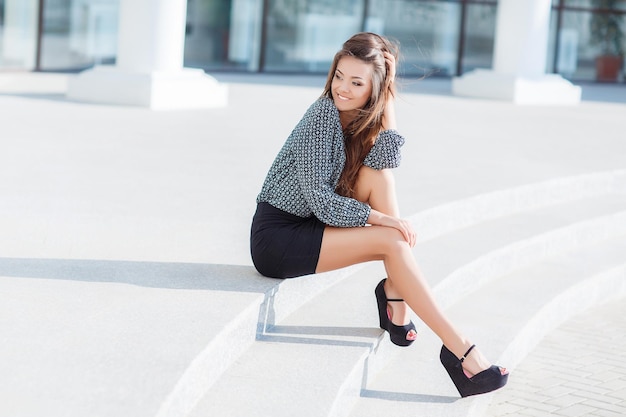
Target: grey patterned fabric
{"type": "Point", "coordinates": [304, 175]}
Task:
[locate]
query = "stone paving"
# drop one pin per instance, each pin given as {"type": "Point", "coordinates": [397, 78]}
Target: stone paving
{"type": "Point", "coordinates": [578, 370]}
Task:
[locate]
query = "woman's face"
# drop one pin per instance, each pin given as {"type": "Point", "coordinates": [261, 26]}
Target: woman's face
{"type": "Point", "coordinates": [352, 84]}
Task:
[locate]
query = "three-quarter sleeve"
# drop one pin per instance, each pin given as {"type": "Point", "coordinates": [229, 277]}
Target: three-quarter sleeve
{"type": "Point", "coordinates": [386, 151]}
{"type": "Point", "coordinates": [316, 149]}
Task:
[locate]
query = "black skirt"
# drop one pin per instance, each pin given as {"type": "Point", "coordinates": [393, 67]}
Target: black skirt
{"type": "Point", "coordinates": [284, 245]}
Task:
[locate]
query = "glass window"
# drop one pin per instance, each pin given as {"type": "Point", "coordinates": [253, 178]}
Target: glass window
{"type": "Point", "coordinates": [597, 4]}
{"type": "Point", "coordinates": [588, 42]}
{"type": "Point", "coordinates": [480, 27]}
{"type": "Point", "coordinates": [428, 33]}
{"type": "Point", "coordinates": [18, 34]}
{"type": "Point", "coordinates": [223, 34]}
{"type": "Point", "coordinates": [79, 33]}
{"type": "Point", "coordinates": [303, 36]}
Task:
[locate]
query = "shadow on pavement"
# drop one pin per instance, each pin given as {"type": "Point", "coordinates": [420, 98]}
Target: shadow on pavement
{"type": "Point", "coordinates": [406, 397]}
{"type": "Point", "coordinates": [39, 96]}
{"type": "Point", "coordinates": [169, 275]}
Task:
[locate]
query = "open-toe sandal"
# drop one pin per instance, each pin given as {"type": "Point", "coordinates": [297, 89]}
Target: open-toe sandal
{"type": "Point", "coordinates": [399, 335]}
{"type": "Point", "coordinates": [488, 380]}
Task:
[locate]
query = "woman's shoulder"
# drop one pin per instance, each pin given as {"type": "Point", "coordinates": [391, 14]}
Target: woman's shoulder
{"type": "Point", "coordinates": [323, 106]}
{"type": "Point", "coordinates": [322, 114]}
{"type": "Point", "coordinates": [320, 121]}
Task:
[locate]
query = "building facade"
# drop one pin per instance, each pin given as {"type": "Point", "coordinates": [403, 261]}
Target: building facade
{"type": "Point", "coordinates": [437, 37]}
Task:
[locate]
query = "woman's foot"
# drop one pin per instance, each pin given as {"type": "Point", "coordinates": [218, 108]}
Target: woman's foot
{"type": "Point", "coordinates": [475, 363]}
{"type": "Point", "coordinates": [400, 334]}
{"type": "Point", "coordinates": [397, 311]}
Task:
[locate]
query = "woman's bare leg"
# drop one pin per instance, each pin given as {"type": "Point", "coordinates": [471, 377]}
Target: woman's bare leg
{"type": "Point", "coordinates": [342, 247]}
{"type": "Point", "coordinates": [378, 189]}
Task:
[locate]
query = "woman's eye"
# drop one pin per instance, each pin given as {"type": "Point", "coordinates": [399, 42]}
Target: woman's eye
{"type": "Point", "coordinates": [357, 84]}
{"type": "Point", "coordinates": [337, 76]}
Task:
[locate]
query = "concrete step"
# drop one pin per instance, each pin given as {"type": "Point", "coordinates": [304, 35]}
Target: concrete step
{"type": "Point", "coordinates": [328, 352]}
{"type": "Point", "coordinates": [116, 336]}
{"type": "Point", "coordinates": [493, 249]}
{"type": "Point", "coordinates": [439, 220]}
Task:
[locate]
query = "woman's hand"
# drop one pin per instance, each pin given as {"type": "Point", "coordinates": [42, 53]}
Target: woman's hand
{"type": "Point", "coordinates": [389, 113]}
{"type": "Point", "coordinates": [390, 62]}
{"type": "Point", "coordinates": [403, 226]}
{"type": "Point", "coordinates": [406, 228]}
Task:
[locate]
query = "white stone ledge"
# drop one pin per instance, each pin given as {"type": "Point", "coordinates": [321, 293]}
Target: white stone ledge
{"type": "Point", "coordinates": [548, 89]}
{"type": "Point", "coordinates": [157, 90]}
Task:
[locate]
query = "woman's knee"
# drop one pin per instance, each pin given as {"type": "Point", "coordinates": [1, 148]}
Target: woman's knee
{"type": "Point", "coordinates": [392, 242]}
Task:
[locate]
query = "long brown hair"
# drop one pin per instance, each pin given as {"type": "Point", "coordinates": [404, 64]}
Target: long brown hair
{"type": "Point", "coordinates": [361, 133]}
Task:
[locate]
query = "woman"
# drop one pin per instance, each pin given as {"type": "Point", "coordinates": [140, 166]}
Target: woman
{"type": "Point", "coordinates": [331, 178]}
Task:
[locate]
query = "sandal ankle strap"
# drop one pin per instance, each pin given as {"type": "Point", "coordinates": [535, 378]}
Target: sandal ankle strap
{"type": "Point", "coordinates": [467, 353]}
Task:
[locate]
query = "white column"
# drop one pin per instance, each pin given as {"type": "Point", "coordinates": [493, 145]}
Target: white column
{"type": "Point", "coordinates": [149, 70]}
{"type": "Point", "coordinates": [519, 62]}
{"type": "Point", "coordinates": [18, 48]}
{"type": "Point", "coordinates": [152, 34]}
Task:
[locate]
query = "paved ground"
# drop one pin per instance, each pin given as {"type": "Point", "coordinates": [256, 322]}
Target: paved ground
{"type": "Point", "coordinates": [579, 370]}
{"type": "Point", "coordinates": [107, 183]}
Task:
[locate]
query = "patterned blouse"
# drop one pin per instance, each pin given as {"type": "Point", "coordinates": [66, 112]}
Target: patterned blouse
{"type": "Point", "coordinates": [304, 175]}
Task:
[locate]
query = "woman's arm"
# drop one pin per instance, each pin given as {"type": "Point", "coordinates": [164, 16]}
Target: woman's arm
{"type": "Point", "coordinates": [387, 154]}
{"type": "Point", "coordinates": [389, 115]}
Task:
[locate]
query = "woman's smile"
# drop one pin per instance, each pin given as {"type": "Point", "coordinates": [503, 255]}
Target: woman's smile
{"type": "Point", "coordinates": [352, 84]}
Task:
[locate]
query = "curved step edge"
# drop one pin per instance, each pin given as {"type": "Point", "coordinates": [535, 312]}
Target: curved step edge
{"type": "Point", "coordinates": [500, 262]}
{"type": "Point", "coordinates": [207, 367]}
{"type": "Point", "coordinates": [445, 218]}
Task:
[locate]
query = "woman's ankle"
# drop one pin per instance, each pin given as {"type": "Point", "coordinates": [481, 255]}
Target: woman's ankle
{"type": "Point", "coordinates": [475, 362]}
{"type": "Point", "coordinates": [472, 359]}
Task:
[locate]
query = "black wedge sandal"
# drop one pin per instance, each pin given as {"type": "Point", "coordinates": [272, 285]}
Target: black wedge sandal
{"type": "Point", "coordinates": [399, 335]}
{"type": "Point", "coordinates": [483, 382]}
